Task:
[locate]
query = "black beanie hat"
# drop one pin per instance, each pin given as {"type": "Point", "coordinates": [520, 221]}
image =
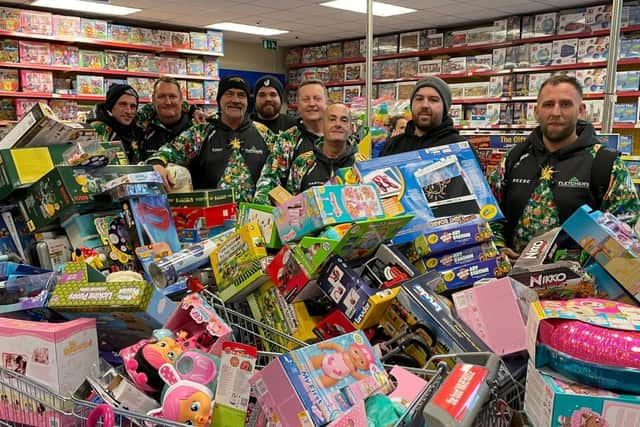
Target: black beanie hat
{"type": "Point", "coordinates": [232, 82]}
{"type": "Point", "coordinates": [269, 81]}
{"type": "Point", "coordinates": [116, 91]}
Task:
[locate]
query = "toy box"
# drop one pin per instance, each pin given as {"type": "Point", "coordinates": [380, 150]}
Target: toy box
{"type": "Point", "coordinates": [586, 227]}
{"type": "Point", "coordinates": [572, 22]}
{"type": "Point", "coordinates": [422, 179]}
{"type": "Point", "coordinates": [592, 80]}
{"type": "Point", "coordinates": [540, 54]}
{"type": "Point", "coordinates": [142, 85]}
{"type": "Point", "coordinates": [517, 56]}
{"type": "Point", "coordinates": [198, 41]}
{"type": "Point", "coordinates": [210, 67]}
{"type": "Point", "coordinates": [94, 28]}
{"type": "Point", "coordinates": [215, 42]}
{"type": "Point", "coordinates": [65, 190]}
{"type": "Point", "coordinates": [195, 90]}
{"type": "Point", "coordinates": [480, 63]}
{"type": "Point", "coordinates": [594, 110]}
{"type": "Point", "coordinates": [148, 218]}
{"type": "Point", "coordinates": [65, 55]}
{"type": "Point", "coordinates": [180, 40]}
{"type": "Point", "coordinates": [9, 19]}
{"type": "Point", "coordinates": [317, 207]}
{"type": "Point", "coordinates": [264, 218]}
{"type": "Point", "coordinates": [499, 58]}
{"type": "Point", "coordinates": [195, 66]}
{"type": "Point", "coordinates": [32, 22]}
{"type": "Point", "coordinates": [564, 51]}
{"type": "Point", "coordinates": [294, 390]}
{"type": "Point", "coordinates": [465, 275]}
{"type": "Point", "coordinates": [119, 33]}
{"type": "Point", "coordinates": [115, 60]}
{"type": "Point", "coordinates": [90, 85]}
{"type": "Point", "coordinates": [125, 312]}
{"type": "Point", "coordinates": [553, 402]}
{"type": "Point", "coordinates": [35, 52]}
{"type": "Point", "coordinates": [445, 261]}
{"type": "Point", "coordinates": [9, 80]}
{"type": "Point", "coordinates": [598, 17]}
{"type": "Point", "coordinates": [627, 81]}
{"type": "Point", "coordinates": [545, 24]}
{"type": "Point", "coordinates": [36, 81]}
{"type": "Point", "coordinates": [430, 67]}
{"type": "Point", "coordinates": [535, 82]}
{"type": "Point", "coordinates": [65, 26]}
{"type": "Point", "coordinates": [455, 38]}
{"type": "Point", "coordinates": [593, 49]}
{"type": "Point", "coordinates": [625, 112]}
{"type": "Point", "coordinates": [236, 263]}
{"type": "Point", "coordinates": [9, 51]}
{"type": "Point", "coordinates": [58, 355]}
{"type": "Point", "coordinates": [480, 35]}
{"type": "Point", "coordinates": [502, 330]}
{"type": "Point", "coordinates": [455, 65]}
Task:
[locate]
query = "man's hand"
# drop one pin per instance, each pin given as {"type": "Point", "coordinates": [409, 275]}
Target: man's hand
{"type": "Point", "coordinates": [199, 117]}
{"type": "Point", "coordinates": [167, 179]}
{"type": "Point", "coordinates": [509, 253]}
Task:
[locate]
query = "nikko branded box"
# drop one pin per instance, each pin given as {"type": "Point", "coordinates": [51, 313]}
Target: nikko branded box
{"type": "Point", "coordinates": [21, 167]}
{"type": "Point", "coordinates": [432, 184]}
{"type": "Point", "coordinates": [66, 190]}
{"type": "Point", "coordinates": [317, 207]}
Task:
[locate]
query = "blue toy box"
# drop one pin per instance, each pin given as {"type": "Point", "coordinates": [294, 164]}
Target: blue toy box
{"type": "Point", "coordinates": [433, 184]}
{"type": "Point", "coordinates": [296, 389]}
{"type": "Point", "coordinates": [317, 207]}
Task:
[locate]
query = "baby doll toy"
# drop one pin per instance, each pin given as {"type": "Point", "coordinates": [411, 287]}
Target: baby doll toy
{"type": "Point", "coordinates": [341, 363]}
{"type": "Point", "coordinates": [187, 399]}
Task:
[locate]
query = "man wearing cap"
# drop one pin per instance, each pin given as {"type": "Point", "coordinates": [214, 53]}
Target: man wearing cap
{"type": "Point", "coordinates": [166, 117]}
{"type": "Point", "coordinates": [431, 124]}
{"type": "Point", "coordinates": [226, 152]}
{"type": "Point", "coordinates": [269, 94]}
{"type": "Point", "coordinates": [115, 119]}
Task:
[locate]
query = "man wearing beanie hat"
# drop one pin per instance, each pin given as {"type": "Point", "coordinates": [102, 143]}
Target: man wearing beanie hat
{"type": "Point", "coordinates": [431, 124]}
{"type": "Point", "coordinates": [115, 119]}
{"type": "Point", "coordinates": [268, 94]}
{"type": "Point", "coordinates": [226, 152]}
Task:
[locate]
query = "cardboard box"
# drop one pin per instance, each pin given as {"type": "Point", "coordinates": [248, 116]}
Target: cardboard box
{"type": "Point", "coordinates": [58, 355]}
{"type": "Point", "coordinates": [262, 216]}
{"type": "Point", "coordinates": [21, 167]}
{"type": "Point", "coordinates": [552, 402]}
{"type": "Point", "coordinates": [66, 190]}
{"type": "Point", "coordinates": [318, 207]}
{"type": "Point", "coordinates": [622, 264]}
{"type": "Point", "coordinates": [201, 198]}
{"type": "Point", "coordinates": [40, 127]}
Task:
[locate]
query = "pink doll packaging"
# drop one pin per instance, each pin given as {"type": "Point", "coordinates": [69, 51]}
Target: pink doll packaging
{"type": "Point", "coordinates": [314, 385]}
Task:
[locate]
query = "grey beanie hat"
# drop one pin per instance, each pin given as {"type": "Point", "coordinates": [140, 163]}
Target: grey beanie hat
{"type": "Point", "coordinates": [438, 84]}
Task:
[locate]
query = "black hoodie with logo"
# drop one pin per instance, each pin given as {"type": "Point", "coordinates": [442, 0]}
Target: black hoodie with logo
{"type": "Point", "coordinates": [316, 168]}
{"type": "Point", "coordinates": [409, 141]}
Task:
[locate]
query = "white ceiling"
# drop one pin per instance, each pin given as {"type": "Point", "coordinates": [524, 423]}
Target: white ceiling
{"type": "Point", "coordinates": [309, 23]}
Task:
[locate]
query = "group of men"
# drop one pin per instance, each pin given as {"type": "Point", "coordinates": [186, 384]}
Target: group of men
{"type": "Point", "coordinates": [539, 184]}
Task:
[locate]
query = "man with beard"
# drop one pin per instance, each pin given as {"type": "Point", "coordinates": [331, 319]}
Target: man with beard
{"type": "Point", "coordinates": [430, 124]}
{"type": "Point", "coordinates": [269, 94]}
{"type": "Point", "coordinates": [330, 152]}
{"type": "Point", "coordinates": [115, 119]}
{"type": "Point", "coordinates": [166, 117]}
{"type": "Point", "coordinates": [295, 141]}
{"type": "Point", "coordinates": [560, 167]}
{"type": "Point", "coordinates": [226, 152]}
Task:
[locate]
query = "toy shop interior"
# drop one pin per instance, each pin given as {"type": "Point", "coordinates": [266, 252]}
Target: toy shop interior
{"type": "Point", "coordinates": [304, 213]}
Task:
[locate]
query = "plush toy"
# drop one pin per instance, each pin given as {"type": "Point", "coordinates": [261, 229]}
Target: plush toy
{"type": "Point", "coordinates": [341, 363]}
{"type": "Point", "coordinates": [187, 399]}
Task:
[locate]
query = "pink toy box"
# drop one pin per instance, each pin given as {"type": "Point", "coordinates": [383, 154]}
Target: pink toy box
{"type": "Point", "coordinates": [58, 355]}
{"type": "Point", "coordinates": [317, 207]}
{"type": "Point", "coordinates": [296, 390]}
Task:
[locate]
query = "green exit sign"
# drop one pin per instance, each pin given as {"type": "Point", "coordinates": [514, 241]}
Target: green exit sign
{"type": "Point", "coordinates": [270, 44]}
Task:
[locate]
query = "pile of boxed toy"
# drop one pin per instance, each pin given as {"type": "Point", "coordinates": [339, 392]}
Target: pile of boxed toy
{"type": "Point", "coordinates": [391, 262]}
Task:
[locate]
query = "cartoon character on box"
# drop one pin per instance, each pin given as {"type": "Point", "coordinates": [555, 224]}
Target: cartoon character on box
{"type": "Point", "coordinates": [187, 400]}
{"type": "Point", "coordinates": [341, 363]}
{"type": "Point", "coordinates": [583, 417]}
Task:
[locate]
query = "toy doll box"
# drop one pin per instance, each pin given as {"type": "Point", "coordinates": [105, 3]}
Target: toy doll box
{"type": "Point", "coordinates": [59, 355]}
{"type": "Point", "coordinates": [363, 304]}
{"type": "Point", "coordinates": [433, 313]}
{"type": "Point", "coordinates": [194, 315]}
{"type": "Point", "coordinates": [585, 227]}
{"type": "Point", "coordinates": [125, 312]}
{"type": "Point", "coordinates": [66, 190]}
{"type": "Point", "coordinates": [314, 385]}
{"type": "Point", "coordinates": [552, 402]}
{"type": "Point", "coordinates": [40, 127]}
{"type": "Point", "coordinates": [262, 216]}
{"type": "Point", "coordinates": [318, 207]}
{"type": "Point", "coordinates": [432, 184]}
{"type": "Point", "coordinates": [21, 167]}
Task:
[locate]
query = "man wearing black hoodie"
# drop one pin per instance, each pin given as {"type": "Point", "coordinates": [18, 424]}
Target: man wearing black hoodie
{"type": "Point", "coordinates": [268, 94]}
{"type": "Point", "coordinates": [227, 152]}
{"type": "Point", "coordinates": [330, 152]}
{"type": "Point", "coordinates": [115, 119]}
{"type": "Point", "coordinates": [560, 167]}
{"type": "Point", "coordinates": [430, 124]}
